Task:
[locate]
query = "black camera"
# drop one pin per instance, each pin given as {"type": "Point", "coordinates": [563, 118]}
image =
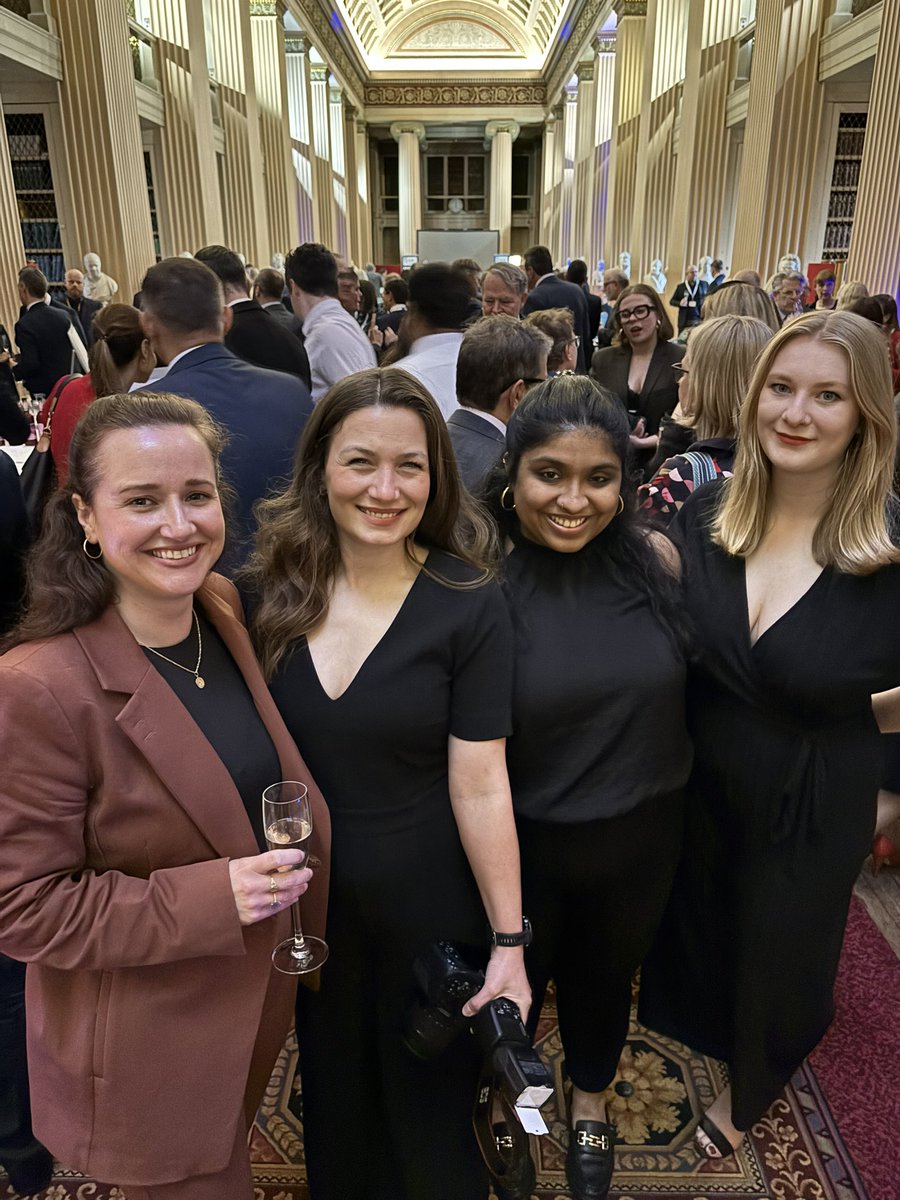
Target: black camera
{"type": "Point", "coordinates": [445, 982]}
{"type": "Point", "coordinates": [504, 1040]}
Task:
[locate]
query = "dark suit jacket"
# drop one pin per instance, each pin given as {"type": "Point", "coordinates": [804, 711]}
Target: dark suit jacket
{"type": "Point", "coordinates": [552, 292]}
{"type": "Point", "coordinates": [658, 396]}
{"type": "Point", "coordinates": [390, 320]}
{"type": "Point", "coordinates": [689, 316]}
{"type": "Point", "coordinates": [261, 339]}
{"type": "Point", "coordinates": [477, 445]}
{"type": "Point", "coordinates": [289, 320]}
{"type": "Point", "coordinates": [85, 311]}
{"type": "Point", "coordinates": [14, 539]}
{"type": "Point", "coordinates": [138, 964]}
{"type": "Point", "coordinates": [264, 413]}
{"type": "Point", "coordinates": [715, 284]}
{"type": "Point", "coordinates": [45, 352]}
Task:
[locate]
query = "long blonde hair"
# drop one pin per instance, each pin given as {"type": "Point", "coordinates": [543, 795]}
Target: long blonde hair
{"type": "Point", "coordinates": [742, 299]}
{"type": "Point", "coordinates": [721, 353]}
{"type": "Point", "coordinates": [853, 534]}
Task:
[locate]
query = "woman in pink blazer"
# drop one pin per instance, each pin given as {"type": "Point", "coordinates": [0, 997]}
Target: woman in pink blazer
{"type": "Point", "coordinates": [136, 734]}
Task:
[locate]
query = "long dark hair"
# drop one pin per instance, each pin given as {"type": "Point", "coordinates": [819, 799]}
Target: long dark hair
{"type": "Point", "coordinates": [64, 588]}
{"type": "Point", "coordinates": [565, 404]}
{"type": "Point", "coordinates": [297, 551]}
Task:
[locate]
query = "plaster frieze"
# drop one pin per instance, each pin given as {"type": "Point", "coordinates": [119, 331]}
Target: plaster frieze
{"type": "Point", "coordinates": [472, 92]}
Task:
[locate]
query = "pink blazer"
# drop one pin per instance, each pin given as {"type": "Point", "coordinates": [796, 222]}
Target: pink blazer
{"type": "Point", "coordinates": [154, 1017]}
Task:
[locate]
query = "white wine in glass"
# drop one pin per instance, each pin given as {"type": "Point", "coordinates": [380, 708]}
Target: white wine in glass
{"type": "Point", "coordinates": [287, 821]}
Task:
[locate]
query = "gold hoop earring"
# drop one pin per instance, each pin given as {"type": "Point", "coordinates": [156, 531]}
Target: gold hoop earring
{"type": "Point", "coordinates": [621, 507]}
{"type": "Point", "coordinates": [92, 557]}
{"type": "Point", "coordinates": [503, 495]}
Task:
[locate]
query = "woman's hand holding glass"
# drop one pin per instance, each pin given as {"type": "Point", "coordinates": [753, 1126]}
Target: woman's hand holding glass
{"type": "Point", "coordinates": [252, 880]}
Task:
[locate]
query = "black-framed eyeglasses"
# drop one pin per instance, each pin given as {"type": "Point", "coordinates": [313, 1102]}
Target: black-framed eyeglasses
{"type": "Point", "coordinates": [635, 314]}
{"type": "Point", "coordinates": [680, 371]}
{"type": "Point", "coordinates": [575, 340]}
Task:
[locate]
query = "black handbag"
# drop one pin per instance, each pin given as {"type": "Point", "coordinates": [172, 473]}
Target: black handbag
{"type": "Point", "coordinates": [38, 478]}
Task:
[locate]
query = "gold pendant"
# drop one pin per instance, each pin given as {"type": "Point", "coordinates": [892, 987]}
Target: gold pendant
{"type": "Point", "coordinates": [200, 681]}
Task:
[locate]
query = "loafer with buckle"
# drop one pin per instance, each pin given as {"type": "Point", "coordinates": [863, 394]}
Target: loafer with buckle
{"type": "Point", "coordinates": [589, 1161]}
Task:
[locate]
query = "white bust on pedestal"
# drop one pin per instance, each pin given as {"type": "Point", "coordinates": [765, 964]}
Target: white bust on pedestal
{"type": "Point", "coordinates": [656, 278]}
{"type": "Point", "coordinates": [97, 286]}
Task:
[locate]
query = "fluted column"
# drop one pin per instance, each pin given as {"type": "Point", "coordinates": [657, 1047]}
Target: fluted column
{"type": "Point", "coordinates": [106, 161]}
{"type": "Point", "coordinates": [409, 135]}
{"type": "Point", "coordinates": [323, 185]}
{"type": "Point", "coordinates": [299, 128]}
{"type": "Point", "coordinates": [500, 135]}
{"type": "Point", "coordinates": [349, 114]}
{"type": "Point", "coordinates": [341, 244]}
{"type": "Point", "coordinates": [548, 177]}
{"type": "Point", "coordinates": [193, 210]}
{"type": "Point", "coordinates": [627, 104]}
{"type": "Point", "coordinates": [585, 165]}
{"type": "Point", "coordinates": [12, 250]}
{"type": "Point", "coordinates": [875, 242]}
{"type": "Point", "coordinates": [604, 89]}
{"type": "Point", "coordinates": [783, 116]}
{"type": "Point", "coordinates": [270, 72]}
{"type": "Point", "coordinates": [364, 213]}
{"type": "Point", "coordinates": [691, 155]}
{"type": "Point", "coordinates": [563, 249]}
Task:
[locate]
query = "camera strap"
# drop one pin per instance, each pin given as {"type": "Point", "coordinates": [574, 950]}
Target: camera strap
{"type": "Point", "coordinates": [502, 1139]}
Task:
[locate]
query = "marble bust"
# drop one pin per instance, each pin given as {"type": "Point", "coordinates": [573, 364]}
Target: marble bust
{"type": "Point", "coordinates": [97, 286]}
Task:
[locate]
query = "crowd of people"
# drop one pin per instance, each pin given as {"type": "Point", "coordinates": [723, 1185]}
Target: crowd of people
{"type": "Point", "coordinates": [527, 583]}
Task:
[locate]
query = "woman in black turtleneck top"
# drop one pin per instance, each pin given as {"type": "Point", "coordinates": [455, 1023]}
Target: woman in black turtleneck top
{"type": "Point", "coordinates": [599, 751]}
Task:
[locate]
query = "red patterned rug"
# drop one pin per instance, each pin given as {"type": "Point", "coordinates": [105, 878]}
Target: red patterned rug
{"type": "Point", "coordinates": [831, 1136]}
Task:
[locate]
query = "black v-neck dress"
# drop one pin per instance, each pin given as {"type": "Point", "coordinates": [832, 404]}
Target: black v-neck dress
{"type": "Point", "coordinates": [779, 816]}
{"type": "Point", "coordinates": [378, 1123]}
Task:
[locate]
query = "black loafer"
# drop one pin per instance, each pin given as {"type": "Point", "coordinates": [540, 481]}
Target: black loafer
{"type": "Point", "coordinates": [589, 1161]}
{"type": "Point", "coordinates": [31, 1174]}
{"type": "Point", "coordinates": [519, 1178]}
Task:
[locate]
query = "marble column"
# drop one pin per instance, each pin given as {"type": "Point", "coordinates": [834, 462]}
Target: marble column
{"type": "Point", "coordinates": [350, 114]}
{"type": "Point", "coordinates": [98, 106]}
{"type": "Point", "coordinates": [500, 135]}
{"type": "Point", "coordinates": [364, 212]}
{"type": "Point", "coordinates": [193, 210]}
{"type": "Point", "coordinates": [875, 242]}
{"type": "Point", "coordinates": [270, 73]}
{"type": "Point", "coordinates": [627, 105]}
{"type": "Point", "coordinates": [323, 185]}
{"type": "Point", "coordinates": [689, 167]}
{"type": "Point", "coordinates": [409, 135]}
{"type": "Point", "coordinates": [780, 139]}
{"type": "Point", "coordinates": [300, 130]}
{"type": "Point", "coordinates": [552, 131]}
{"type": "Point", "coordinates": [604, 89]}
{"type": "Point", "coordinates": [341, 244]}
{"type": "Point", "coordinates": [585, 164]}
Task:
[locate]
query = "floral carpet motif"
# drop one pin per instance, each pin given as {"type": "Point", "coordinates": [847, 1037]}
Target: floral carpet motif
{"type": "Point", "coordinates": [795, 1153]}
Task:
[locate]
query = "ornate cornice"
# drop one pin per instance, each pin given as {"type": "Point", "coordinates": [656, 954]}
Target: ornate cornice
{"type": "Point", "coordinates": [605, 43]}
{"type": "Point", "coordinates": [630, 8]}
{"type": "Point", "coordinates": [263, 8]}
{"type": "Point", "coordinates": [584, 29]}
{"type": "Point", "coordinates": [331, 45]}
{"type": "Point", "coordinates": [584, 72]}
{"type": "Point", "coordinates": [457, 93]}
{"type": "Point", "coordinates": [296, 43]}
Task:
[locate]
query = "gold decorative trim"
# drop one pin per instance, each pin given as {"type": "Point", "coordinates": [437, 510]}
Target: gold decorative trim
{"type": "Point", "coordinates": [459, 93]}
{"type": "Point", "coordinates": [585, 27]}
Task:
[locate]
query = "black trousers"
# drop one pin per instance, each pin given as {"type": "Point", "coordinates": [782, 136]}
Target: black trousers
{"type": "Point", "coordinates": [17, 1142]}
{"type": "Point", "coordinates": [595, 893]}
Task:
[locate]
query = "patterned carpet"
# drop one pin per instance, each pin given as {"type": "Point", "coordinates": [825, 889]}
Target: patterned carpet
{"type": "Point", "coordinates": [798, 1152]}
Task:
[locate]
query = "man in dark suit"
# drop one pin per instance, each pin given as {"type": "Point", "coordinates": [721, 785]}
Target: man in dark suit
{"type": "Point", "coordinates": [688, 298]}
{"type": "Point", "coordinates": [396, 293]}
{"type": "Point", "coordinates": [250, 332]}
{"type": "Point", "coordinates": [42, 336]}
{"type": "Point", "coordinates": [500, 358]}
{"type": "Point", "coordinates": [718, 272]}
{"type": "Point", "coordinates": [545, 290]}
{"type": "Point", "coordinates": [83, 308]}
{"type": "Point", "coordinates": [263, 411]}
{"type": "Point", "coordinates": [267, 292]}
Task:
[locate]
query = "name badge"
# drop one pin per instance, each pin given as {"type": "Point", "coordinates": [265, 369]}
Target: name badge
{"type": "Point", "coordinates": [692, 303]}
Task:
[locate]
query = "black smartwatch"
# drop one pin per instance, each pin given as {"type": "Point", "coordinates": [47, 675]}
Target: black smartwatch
{"type": "Point", "coordinates": [522, 938]}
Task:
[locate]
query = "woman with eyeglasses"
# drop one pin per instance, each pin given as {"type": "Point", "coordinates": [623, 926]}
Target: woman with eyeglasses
{"type": "Point", "coordinates": [637, 367]}
{"type": "Point", "coordinates": [559, 325]}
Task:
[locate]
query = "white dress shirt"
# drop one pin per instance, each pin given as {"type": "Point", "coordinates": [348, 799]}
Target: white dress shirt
{"type": "Point", "coordinates": [335, 345]}
{"type": "Point", "coordinates": [432, 360]}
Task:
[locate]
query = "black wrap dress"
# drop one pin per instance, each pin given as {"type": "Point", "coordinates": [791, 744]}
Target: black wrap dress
{"type": "Point", "coordinates": [780, 811]}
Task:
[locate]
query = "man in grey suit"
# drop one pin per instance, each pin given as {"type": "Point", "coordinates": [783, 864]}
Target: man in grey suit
{"type": "Point", "coordinates": [500, 358]}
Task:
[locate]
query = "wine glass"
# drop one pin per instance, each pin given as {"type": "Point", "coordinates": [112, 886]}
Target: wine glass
{"type": "Point", "coordinates": [287, 821]}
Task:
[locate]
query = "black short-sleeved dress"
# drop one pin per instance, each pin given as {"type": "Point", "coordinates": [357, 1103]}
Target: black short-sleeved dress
{"type": "Point", "coordinates": [379, 1124]}
{"type": "Point", "coordinates": [780, 812]}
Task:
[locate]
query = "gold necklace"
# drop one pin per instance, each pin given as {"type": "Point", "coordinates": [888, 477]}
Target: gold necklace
{"type": "Point", "coordinates": [195, 671]}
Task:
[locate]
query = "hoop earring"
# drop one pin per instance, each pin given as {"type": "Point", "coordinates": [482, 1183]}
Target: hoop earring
{"type": "Point", "coordinates": [92, 557]}
{"type": "Point", "coordinates": [621, 507]}
{"type": "Point", "coordinates": [503, 496]}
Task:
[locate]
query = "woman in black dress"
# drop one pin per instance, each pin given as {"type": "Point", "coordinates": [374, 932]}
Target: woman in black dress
{"type": "Point", "coordinates": [599, 751]}
{"type": "Point", "coordinates": [389, 652]}
{"type": "Point", "coordinates": [793, 588]}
